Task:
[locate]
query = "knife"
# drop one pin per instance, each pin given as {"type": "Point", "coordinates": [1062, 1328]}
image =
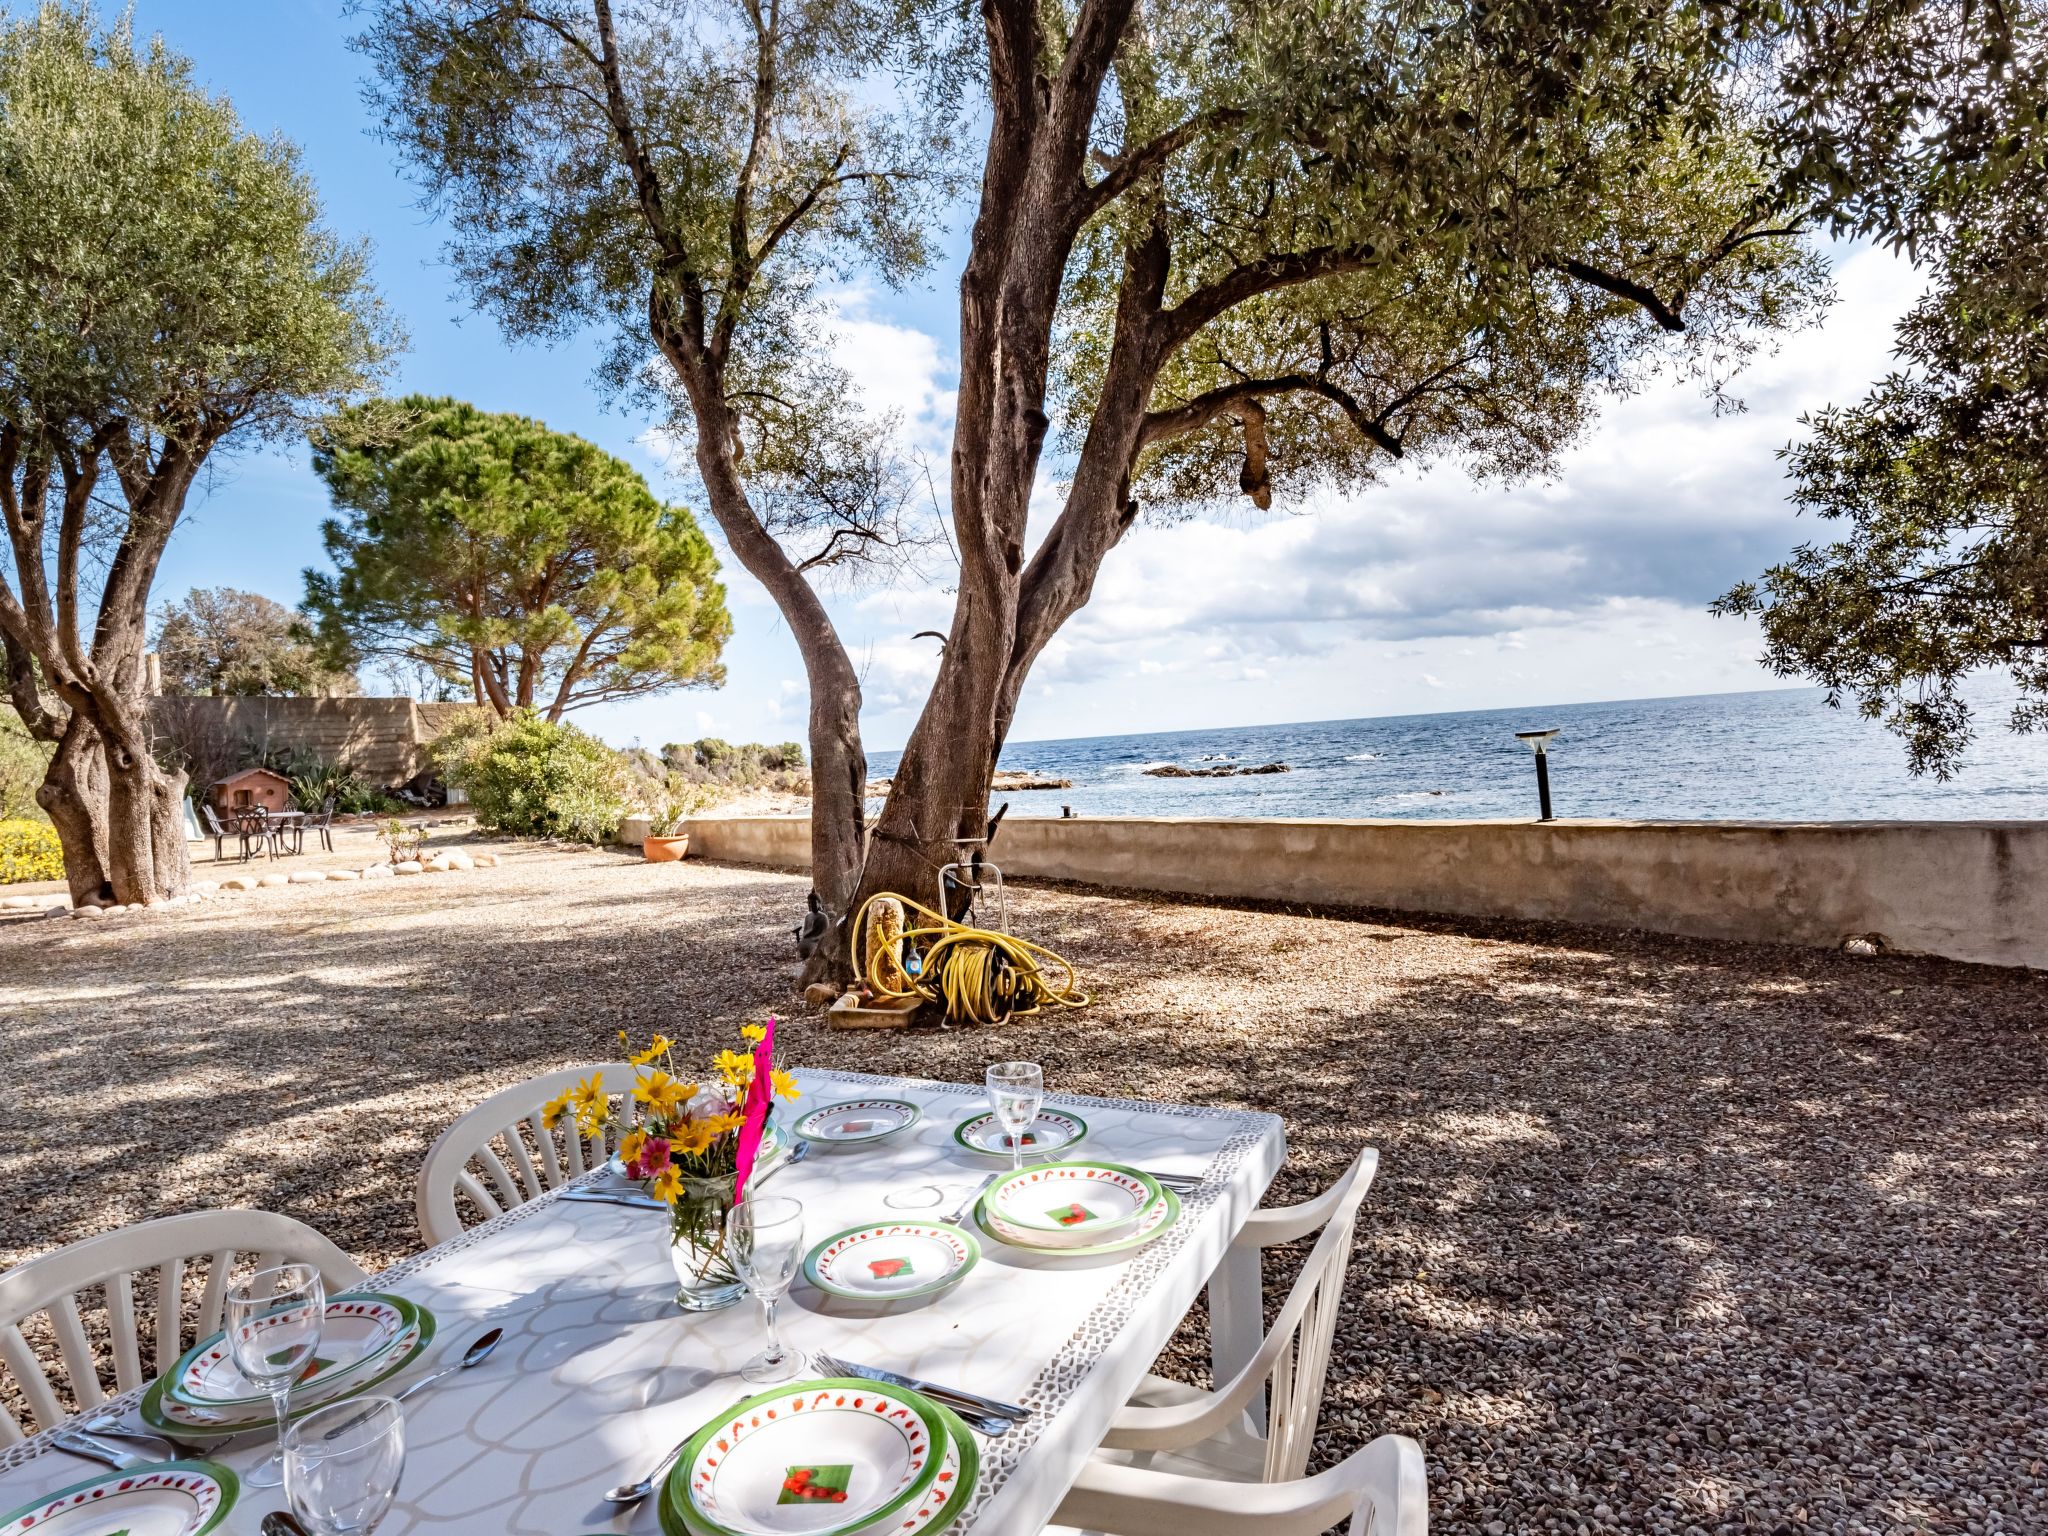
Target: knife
{"type": "Point", "coordinates": [607, 1197]}
{"type": "Point", "coordinates": [1002, 1410]}
{"type": "Point", "coordinates": [79, 1443]}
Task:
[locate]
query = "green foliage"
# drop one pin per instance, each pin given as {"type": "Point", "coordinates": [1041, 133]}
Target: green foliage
{"type": "Point", "coordinates": [29, 851]}
{"type": "Point", "coordinates": [676, 802]}
{"type": "Point", "coordinates": [135, 211]}
{"type": "Point", "coordinates": [750, 765]}
{"type": "Point", "coordinates": [534, 778]}
{"type": "Point", "coordinates": [221, 641]}
{"type": "Point", "coordinates": [1940, 475]}
{"type": "Point", "coordinates": [478, 541]}
{"type": "Point", "coordinates": [315, 781]}
{"type": "Point", "coordinates": [23, 761]}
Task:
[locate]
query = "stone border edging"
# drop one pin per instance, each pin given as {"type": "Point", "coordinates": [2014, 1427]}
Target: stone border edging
{"type": "Point", "coordinates": [452, 862]}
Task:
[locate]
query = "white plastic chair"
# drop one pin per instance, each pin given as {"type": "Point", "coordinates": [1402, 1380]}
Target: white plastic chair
{"type": "Point", "coordinates": [52, 1284]}
{"type": "Point", "coordinates": [491, 1142]}
{"type": "Point", "coordinates": [1251, 1437]}
{"type": "Point", "coordinates": [1382, 1490]}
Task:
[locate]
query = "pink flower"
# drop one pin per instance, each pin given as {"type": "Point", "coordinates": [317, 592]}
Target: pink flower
{"type": "Point", "coordinates": [653, 1157]}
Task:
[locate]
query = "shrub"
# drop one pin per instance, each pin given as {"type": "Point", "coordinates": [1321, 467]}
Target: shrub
{"type": "Point", "coordinates": [23, 761]}
{"type": "Point", "coordinates": [528, 777]}
{"type": "Point", "coordinates": [29, 851]}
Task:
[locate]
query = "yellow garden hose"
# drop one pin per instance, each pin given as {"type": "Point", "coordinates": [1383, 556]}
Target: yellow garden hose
{"type": "Point", "coordinates": [979, 975]}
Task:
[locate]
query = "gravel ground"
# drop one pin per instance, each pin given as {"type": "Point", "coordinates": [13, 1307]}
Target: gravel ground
{"type": "Point", "coordinates": [1667, 1236]}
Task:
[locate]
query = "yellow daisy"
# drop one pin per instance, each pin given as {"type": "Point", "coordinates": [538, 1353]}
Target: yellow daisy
{"type": "Point", "coordinates": [736, 1067]}
{"type": "Point", "coordinates": [693, 1137]}
{"type": "Point", "coordinates": [783, 1084]}
{"type": "Point", "coordinates": [662, 1094]}
{"type": "Point", "coordinates": [667, 1185]}
{"type": "Point", "coordinates": [754, 1032]}
{"type": "Point", "coordinates": [631, 1145]}
{"type": "Point", "coordinates": [554, 1109]}
{"type": "Point", "coordinates": [658, 1046]}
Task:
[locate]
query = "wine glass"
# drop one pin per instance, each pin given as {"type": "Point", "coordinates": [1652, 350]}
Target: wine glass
{"type": "Point", "coordinates": [764, 1238]}
{"type": "Point", "coordinates": [342, 1463]}
{"type": "Point", "coordinates": [273, 1322]}
{"type": "Point", "coordinates": [1015, 1090]}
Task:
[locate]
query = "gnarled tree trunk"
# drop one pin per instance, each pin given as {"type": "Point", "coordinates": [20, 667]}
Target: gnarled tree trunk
{"type": "Point", "coordinates": [73, 795]}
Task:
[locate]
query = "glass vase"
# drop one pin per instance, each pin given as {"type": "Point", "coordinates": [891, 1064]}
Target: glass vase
{"type": "Point", "coordinates": [705, 1278]}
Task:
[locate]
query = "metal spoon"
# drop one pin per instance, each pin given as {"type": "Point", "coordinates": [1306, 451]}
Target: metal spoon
{"type": "Point", "coordinates": [476, 1354]}
{"type": "Point", "coordinates": [633, 1493]}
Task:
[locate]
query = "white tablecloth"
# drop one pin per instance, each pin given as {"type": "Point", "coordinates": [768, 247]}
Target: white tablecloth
{"type": "Point", "coordinates": [599, 1374]}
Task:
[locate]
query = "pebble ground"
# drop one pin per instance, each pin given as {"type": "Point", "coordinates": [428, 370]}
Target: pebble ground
{"type": "Point", "coordinates": [1668, 1236]}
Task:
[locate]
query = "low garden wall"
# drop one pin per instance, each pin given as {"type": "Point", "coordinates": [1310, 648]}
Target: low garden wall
{"type": "Point", "coordinates": [1965, 890]}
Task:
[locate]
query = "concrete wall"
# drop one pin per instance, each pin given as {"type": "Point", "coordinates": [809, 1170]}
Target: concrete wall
{"type": "Point", "coordinates": [1966, 890]}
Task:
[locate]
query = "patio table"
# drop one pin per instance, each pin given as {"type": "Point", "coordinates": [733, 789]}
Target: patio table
{"type": "Point", "coordinates": [599, 1374]}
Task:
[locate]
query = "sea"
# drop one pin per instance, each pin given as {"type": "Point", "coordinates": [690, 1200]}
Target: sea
{"type": "Point", "coordinates": [1778, 755]}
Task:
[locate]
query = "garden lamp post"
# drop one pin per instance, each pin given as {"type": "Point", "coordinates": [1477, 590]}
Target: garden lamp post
{"type": "Point", "coordinates": [1539, 743]}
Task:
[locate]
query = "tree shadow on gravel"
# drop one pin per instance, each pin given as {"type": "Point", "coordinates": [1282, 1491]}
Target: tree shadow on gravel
{"type": "Point", "coordinates": [1667, 1235]}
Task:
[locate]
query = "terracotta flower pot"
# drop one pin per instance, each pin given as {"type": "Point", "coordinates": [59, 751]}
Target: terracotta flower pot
{"type": "Point", "coordinates": [666, 850]}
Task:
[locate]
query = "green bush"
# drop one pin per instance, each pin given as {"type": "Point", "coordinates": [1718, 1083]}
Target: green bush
{"type": "Point", "coordinates": [528, 777]}
{"type": "Point", "coordinates": [23, 761]}
{"type": "Point", "coordinates": [29, 851]}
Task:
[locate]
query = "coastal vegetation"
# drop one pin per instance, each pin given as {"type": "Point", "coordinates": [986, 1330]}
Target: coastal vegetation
{"type": "Point", "coordinates": [523, 566]}
{"type": "Point", "coordinates": [137, 211]}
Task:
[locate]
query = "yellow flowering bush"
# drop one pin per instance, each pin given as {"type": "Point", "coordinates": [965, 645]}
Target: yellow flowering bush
{"type": "Point", "coordinates": [29, 851]}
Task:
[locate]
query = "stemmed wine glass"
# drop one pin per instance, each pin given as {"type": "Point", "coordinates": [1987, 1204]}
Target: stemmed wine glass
{"type": "Point", "coordinates": [764, 1238]}
{"type": "Point", "coordinates": [1015, 1090]}
{"type": "Point", "coordinates": [342, 1463]}
{"type": "Point", "coordinates": [273, 1324]}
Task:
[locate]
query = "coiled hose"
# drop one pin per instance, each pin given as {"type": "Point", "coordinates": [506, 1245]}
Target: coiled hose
{"type": "Point", "coordinates": [979, 975]}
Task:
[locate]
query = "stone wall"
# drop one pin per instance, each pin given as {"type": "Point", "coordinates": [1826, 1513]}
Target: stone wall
{"type": "Point", "coordinates": [1966, 890]}
{"type": "Point", "coordinates": [383, 739]}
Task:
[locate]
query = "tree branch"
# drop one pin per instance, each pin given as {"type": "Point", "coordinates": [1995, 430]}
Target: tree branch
{"type": "Point", "coordinates": [1266, 275]}
{"type": "Point", "coordinates": [1622, 288]}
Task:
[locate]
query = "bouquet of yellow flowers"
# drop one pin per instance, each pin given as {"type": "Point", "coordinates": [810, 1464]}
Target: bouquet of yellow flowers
{"type": "Point", "coordinates": [690, 1143]}
{"type": "Point", "coordinates": [681, 1130]}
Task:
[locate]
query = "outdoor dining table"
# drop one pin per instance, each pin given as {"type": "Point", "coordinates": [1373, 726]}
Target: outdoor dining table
{"type": "Point", "coordinates": [599, 1373]}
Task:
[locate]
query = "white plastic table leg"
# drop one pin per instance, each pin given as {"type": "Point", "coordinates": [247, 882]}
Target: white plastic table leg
{"type": "Point", "coordinates": [1237, 1321]}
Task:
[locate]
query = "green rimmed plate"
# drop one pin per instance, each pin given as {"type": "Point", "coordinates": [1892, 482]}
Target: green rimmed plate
{"type": "Point", "coordinates": [892, 1260]}
{"type": "Point", "coordinates": [854, 1121]}
{"type": "Point", "coordinates": [165, 1413]}
{"type": "Point", "coordinates": [815, 1458]}
{"type": "Point", "coordinates": [927, 1515]}
{"type": "Point", "coordinates": [1053, 1131]}
{"type": "Point", "coordinates": [1156, 1218]}
{"type": "Point", "coordinates": [357, 1331]}
{"type": "Point", "coordinates": [173, 1498]}
{"type": "Point", "coordinates": [1072, 1204]}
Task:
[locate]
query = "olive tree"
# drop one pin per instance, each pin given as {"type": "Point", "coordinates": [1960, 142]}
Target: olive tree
{"type": "Point", "coordinates": [1217, 248]}
{"type": "Point", "coordinates": [166, 290]}
{"type": "Point", "coordinates": [1938, 478]}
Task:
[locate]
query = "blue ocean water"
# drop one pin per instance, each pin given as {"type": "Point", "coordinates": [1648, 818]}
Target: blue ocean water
{"type": "Point", "coordinates": [1777, 755]}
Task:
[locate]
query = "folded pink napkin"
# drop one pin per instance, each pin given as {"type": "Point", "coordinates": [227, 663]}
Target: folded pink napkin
{"type": "Point", "coordinates": [760, 1098]}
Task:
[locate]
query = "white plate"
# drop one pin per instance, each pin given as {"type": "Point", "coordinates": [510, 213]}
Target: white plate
{"type": "Point", "coordinates": [880, 1448]}
{"type": "Point", "coordinates": [1072, 1204]}
{"type": "Point", "coordinates": [161, 1411]}
{"type": "Point", "coordinates": [1157, 1218]}
{"type": "Point", "coordinates": [173, 1499]}
{"type": "Point", "coordinates": [355, 1333]}
{"type": "Point", "coordinates": [1052, 1132]}
{"type": "Point", "coordinates": [858, 1120]}
{"type": "Point", "coordinates": [891, 1260]}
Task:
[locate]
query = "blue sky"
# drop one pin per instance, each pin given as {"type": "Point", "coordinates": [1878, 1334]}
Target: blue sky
{"type": "Point", "coordinates": [1425, 594]}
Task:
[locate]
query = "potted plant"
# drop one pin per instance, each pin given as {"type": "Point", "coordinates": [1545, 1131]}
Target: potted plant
{"type": "Point", "coordinates": [678, 802]}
